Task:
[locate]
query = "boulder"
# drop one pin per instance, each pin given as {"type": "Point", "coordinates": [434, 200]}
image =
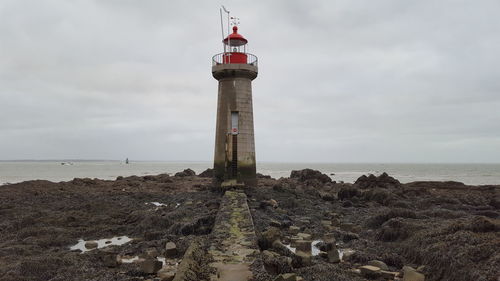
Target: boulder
{"type": "Point", "coordinates": [372, 181]}
{"type": "Point", "coordinates": [286, 277]}
{"type": "Point", "coordinates": [267, 237]}
{"type": "Point", "coordinates": [109, 259]}
{"type": "Point", "coordinates": [150, 266]}
{"type": "Point", "coordinates": [294, 229]}
{"type": "Point", "coordinates": [370, 271]}
{"type": "Point", "coordinates": [348, 192]}
{"type": "Point", "coordinates": [170, 250]}
{"type": "Point", "coordinates": [275, 264]}
{"type": "Point", "coordinates": [347, 254]}
{"type": "Point", "coordinates": [303, 245]}
{"type": "Point", "coordinates": [302, 259]}
{"type": "Point", "coordinates": [379, 264]}
{"type": "Point", "coordinates": [410, 274]}
{"type": "Point", "coordinates": [186, 173]}
{"type": "Point", "coordinates": [167, 273]}
{"type": "Point", "coordinates": [275, 223]}
{"type": "Point", "coordinates": [304, 236]}
{"type": "Point", "coordinates": [91, 245]}
{"type": "Point", "coordinates": [268, 203]}
{"type": "Point", "coordinates": [152, 253]}
{"type": "Point", "coordinates": [333, 256]}
{"type": "Point", "coordinates": [310, 174]}
{"type": "Point", "coordinates": [208, 173]}
{"type": "Point", "coordinates": [390, 275]}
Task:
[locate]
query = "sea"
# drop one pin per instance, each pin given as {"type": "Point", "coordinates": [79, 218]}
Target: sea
{"type": "Point", "coordinates": [66, 170]}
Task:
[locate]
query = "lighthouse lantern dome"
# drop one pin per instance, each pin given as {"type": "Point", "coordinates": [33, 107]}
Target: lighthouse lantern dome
{"type": "Point", "coordinates": [235, 39]}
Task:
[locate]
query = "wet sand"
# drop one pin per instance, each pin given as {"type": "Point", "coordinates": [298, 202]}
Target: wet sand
{"type": "Point", "coordinates": [449, 231]}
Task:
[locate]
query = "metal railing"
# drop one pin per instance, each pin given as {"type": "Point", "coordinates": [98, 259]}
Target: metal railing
{"type": "Point", "coordinates": [219, 59]}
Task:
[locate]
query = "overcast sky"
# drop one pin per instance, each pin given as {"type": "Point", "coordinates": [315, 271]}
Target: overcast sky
{"type": "Point", "coordinates": [339, 81]}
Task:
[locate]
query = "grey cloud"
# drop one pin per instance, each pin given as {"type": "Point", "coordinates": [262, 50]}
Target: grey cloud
{"type": "Point", "coordinates": [377, 81]}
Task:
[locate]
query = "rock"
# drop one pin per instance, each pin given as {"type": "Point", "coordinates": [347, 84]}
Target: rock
{"type": "Point", "coordinates": [261, 176]}
{"type": "Point", "coordinates": [268, 237]}
{"type": "Point", "coordinates": [275, 264]}
{"type": "Point", "coordinates": [275, 223]}
{"type": "Point", "coordinates": [303, 245]}
{"type": "Point", "coordinates": [150, 266]}
{"type": "Point", "coordinates": [348, 192]}
{"type": "Point", "coordinates": [273, 203]}
{"type": "Point", "coordinates": [421, 268]}
{"type": "Point", "coordinates": [170, 250]}
{"type": "Point", "coordinates": [185, 173]}
{"type": "Point", "coordinates": [326, 223]}
{"type": "Point", "coordinates": [154, 235]}
{"type": "Point", "coordinates": [347, 254]}
{"type": "Point", "coordinates": [294, 229]}
{"type": "Point", "coordinates": [327, 196]}
{"type": "Point", "coordinates": [310, 174]}
{"type": "Point", "coordinates": [370, 271]}
{"type": "Point", "coordinates": [347, 204]}
{"type": "Point", "coordinates": [350, 227]}
{"type": "Point", "coordinates": [302, 259]}
{"type": "Point", "coordinates": [281, 248]}
{"type": "Point", "coordinates": [348, 236]}
{"type": "Point", "coordinates": [167, 273]}
{"type": "Point", "coordinates": [109, 259]}
{"type": "Point", "coordinates": [91, 244]}
{"type": "Point", "coordinates": [286, 277]}
{"type": "Point", "coordinates": [382, 181]}
{"type": "Point", "coordinates": [327, 245]}
{"type": "Point", "coordinates": [379, 264]}
{"type": "Point", "coordinates": [410, 274]}
{"type": "Point", "coordinates": [208, 173]}
{"type": "Point", "coordinates": [269, 203]}
{"type": "Point", "coordinates": [304, 236]}
{"type": "Point", "coordinates": [333, 256]}
{"type": "Point", "coordinates": [389, 274]}
{"type": "Point", "coordinates": [152, 253]}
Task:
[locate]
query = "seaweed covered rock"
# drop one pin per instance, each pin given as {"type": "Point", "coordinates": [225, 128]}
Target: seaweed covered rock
{"type": "Point", "coordinates": [348, 192]}
{"type": "Point", "coordinates": [208, 173]}
{"type": "Point", "coordinates": [186, 173]}
{"type": "Point", "coordinates": [310, 174]}
{"type": "Point", "coordinates": [372, 181]}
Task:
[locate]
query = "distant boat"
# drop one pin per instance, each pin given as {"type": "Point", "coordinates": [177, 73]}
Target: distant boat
{"type": "Point", "coordinates": [126, 161]}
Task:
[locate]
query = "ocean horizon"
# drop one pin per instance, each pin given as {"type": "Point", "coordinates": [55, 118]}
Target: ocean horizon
{"type": "Point", "coordinates": [57, 170]}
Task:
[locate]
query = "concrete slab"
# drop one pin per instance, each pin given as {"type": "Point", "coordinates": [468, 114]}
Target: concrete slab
{"type": "Point", "coordinates": [234, 248]}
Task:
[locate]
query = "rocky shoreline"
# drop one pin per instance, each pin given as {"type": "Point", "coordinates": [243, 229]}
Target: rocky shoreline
{"type": "Point", "coordinates": [307, 226]}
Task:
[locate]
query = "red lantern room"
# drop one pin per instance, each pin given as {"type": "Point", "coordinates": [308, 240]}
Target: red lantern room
{"type": "Point", "coordinates": [235, 48]}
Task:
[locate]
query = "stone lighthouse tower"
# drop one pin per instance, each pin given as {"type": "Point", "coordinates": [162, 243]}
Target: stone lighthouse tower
{"type": "Point", "coordinates": [234, 161]}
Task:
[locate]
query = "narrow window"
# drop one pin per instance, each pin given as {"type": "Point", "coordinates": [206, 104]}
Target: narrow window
{"type": "Point", "coordinates": [234, 123]}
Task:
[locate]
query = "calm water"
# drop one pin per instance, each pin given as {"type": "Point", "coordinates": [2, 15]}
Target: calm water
{"type": "Point", "coordinates": [17, 171]}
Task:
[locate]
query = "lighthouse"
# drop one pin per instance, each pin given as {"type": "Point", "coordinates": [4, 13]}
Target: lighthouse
{"type": "Point", "coordinates": [234, 160]}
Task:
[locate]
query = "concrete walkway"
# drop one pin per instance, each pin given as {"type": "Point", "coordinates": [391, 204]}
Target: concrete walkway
{"type": "Point", "coordinates": [234, 246]}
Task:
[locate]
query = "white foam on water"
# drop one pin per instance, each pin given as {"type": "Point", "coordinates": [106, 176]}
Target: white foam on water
{"type": "Point", "coordinates": [101, 243]}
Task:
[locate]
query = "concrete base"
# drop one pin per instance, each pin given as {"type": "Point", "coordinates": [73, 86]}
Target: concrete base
{"type": "Point", "coordinates": [234, 248]}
